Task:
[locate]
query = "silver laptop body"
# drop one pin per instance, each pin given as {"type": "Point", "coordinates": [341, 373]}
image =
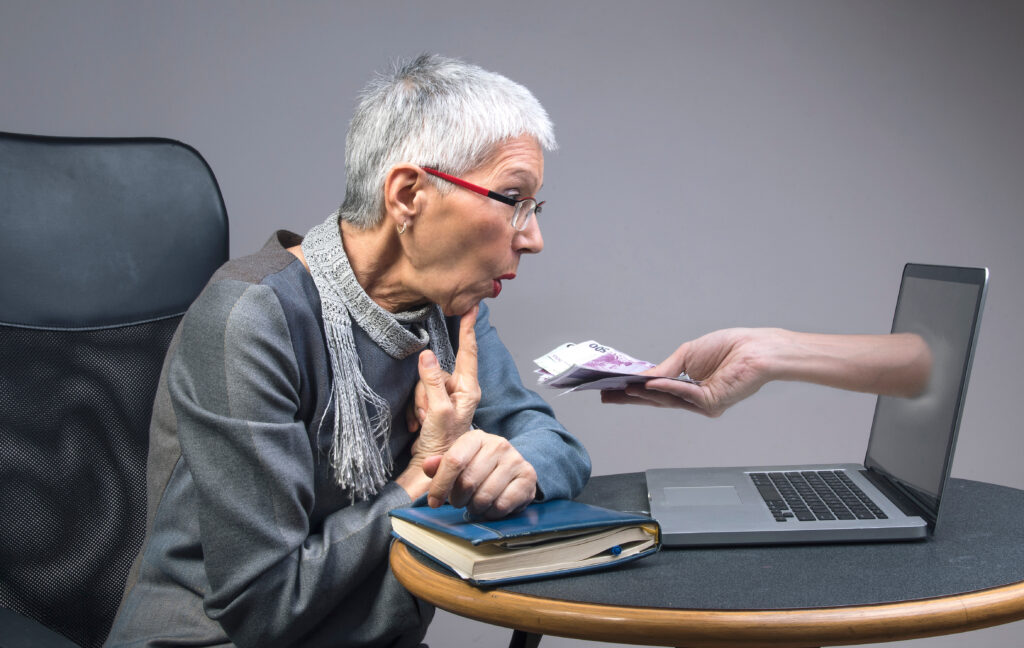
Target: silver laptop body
{"type": "Point", "coordinates": [895, 494]}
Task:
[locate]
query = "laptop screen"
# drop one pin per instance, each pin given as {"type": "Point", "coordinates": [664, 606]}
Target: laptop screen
{"type": "Point", "coordinates": [912, 438]}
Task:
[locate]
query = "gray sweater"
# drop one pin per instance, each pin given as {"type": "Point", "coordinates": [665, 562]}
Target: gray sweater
{"type": "Point", "coordinates": [249, 540]}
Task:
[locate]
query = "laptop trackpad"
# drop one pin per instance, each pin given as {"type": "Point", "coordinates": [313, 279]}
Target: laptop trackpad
{"type": "Point", "coordinates": [702, 496]}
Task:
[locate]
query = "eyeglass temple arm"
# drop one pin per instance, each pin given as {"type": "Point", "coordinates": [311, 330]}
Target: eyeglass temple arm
{"type": "Point", "coordinates": [472, 187]}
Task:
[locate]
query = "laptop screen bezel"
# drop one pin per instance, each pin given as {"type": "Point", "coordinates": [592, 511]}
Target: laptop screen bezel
{"type": "Point", "coordinates": [929, 506]}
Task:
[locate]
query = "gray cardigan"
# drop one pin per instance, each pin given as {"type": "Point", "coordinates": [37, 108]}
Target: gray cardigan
{"type": "Point", "coordinates": [249, 540]}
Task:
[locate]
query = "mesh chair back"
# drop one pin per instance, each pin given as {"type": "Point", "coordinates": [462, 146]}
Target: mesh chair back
{"type": "Point", "coordinates": [106, 242]}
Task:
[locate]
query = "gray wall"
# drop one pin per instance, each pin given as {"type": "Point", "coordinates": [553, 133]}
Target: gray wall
{"type": "Point", "coordinates": [721, 164]}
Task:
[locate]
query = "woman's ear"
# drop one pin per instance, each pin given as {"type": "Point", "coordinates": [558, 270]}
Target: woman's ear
{"type": "Point", "coordinates": [404, 195]}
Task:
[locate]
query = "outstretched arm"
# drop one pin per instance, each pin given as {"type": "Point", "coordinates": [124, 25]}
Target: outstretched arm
{"type": "Point", "coordinates": [733, 364]}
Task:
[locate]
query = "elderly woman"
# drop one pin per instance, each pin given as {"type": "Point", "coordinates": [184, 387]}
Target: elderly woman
{"type": "Point", "coordinates": [280, 437]}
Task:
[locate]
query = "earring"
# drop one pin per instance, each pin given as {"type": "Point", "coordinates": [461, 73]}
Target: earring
{"type": "Point", "coordinates": [401, 230]}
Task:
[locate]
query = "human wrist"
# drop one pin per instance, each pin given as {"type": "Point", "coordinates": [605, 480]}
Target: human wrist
{"type": "Point", "coordinates": [430, 444]}
{"type": "Point", "coordinates": [776, 354]}
{"type": "Point", "coordinates": [414, 480]}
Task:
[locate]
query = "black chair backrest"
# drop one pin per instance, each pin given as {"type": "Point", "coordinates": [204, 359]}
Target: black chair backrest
{"type": "Point", "coordinates": [104, 243]}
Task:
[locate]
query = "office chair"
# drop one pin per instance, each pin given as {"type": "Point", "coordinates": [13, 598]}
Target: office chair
{"type": "Point", "coordinates": [104, 243]}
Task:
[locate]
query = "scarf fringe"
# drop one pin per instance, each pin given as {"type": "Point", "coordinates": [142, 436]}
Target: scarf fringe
{"type": "Point", "coordinates": [359, 453]}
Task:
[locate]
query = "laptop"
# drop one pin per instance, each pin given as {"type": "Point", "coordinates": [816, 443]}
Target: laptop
{"type": "Point", "coordinates": [895, 494]}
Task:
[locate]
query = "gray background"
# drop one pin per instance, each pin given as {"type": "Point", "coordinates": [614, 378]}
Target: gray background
{"type": "Point", "coordinates": [720, 164]}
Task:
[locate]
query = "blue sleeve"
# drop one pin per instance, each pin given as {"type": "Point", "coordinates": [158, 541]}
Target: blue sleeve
{"type": "Point", "coordinates": [522, 416]}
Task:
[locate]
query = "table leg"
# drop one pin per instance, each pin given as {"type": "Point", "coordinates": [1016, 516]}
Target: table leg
{"type": "Point", "coordinates": [521, 639]}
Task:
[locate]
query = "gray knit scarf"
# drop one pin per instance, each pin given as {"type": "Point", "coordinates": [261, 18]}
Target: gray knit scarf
{"type": "Point", "coordinates": [360, 455]}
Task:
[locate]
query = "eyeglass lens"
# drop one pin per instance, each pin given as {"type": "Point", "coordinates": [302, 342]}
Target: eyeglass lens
{"type": "Point", "coordinates": [524, 211]}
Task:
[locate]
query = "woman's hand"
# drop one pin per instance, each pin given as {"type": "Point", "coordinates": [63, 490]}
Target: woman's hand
{"type": "Point", "coordinates": [484, 473]}
{"type": "Point", "coordinates": [443, 406]}
{"type": "Point", "coordinates": [451, 461]}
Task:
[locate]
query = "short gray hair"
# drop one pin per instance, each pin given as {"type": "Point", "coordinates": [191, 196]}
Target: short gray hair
{"type": "Point", "coordinates": [433, 111]}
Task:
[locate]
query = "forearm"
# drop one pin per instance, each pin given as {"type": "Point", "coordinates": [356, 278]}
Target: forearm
{"type": "Point", "coordinates": [561, 463]}
{"type": "Point", "coordinates": [519, 414]}
{"type": "Point", "coordinates": [897, 364]}
{"type": "Point", "coordinates": [295, 590]}
{"type": "Point", "coordinates": [559, 459]}
{"type": "Point", "coordinates": [415, 482]}
{"type": "Point", "coordinates": [273, 574]}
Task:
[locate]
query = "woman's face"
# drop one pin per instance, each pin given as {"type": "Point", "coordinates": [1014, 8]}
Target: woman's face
{"type": "Point", "coordinates": [466, 243]}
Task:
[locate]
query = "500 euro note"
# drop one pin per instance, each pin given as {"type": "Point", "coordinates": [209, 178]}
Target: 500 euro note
{"type": "Point", "coordinates": [591, 365]}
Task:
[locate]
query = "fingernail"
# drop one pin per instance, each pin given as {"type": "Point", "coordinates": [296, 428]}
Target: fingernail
{"type": "Point", "coordinates": [428, 360]}
{"type": "Point", "coordinates": [421, 413]}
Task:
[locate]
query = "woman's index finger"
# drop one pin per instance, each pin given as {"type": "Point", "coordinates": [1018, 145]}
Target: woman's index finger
{"type": "Point", "coordinates": [466, 358]}
{"type": "Point", "coordinates": [432, 377]}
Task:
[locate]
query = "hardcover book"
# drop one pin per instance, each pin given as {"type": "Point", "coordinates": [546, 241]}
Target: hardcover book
{"type": "Point", "coordinates": [545, 539]}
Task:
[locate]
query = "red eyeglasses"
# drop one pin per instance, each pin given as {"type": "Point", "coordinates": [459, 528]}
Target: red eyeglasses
{"type": "Point", "coordinates": [525, 208]}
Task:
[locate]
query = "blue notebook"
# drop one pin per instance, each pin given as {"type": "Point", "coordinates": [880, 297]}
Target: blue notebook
{"type": "Point", "coordinates": [546, 539]}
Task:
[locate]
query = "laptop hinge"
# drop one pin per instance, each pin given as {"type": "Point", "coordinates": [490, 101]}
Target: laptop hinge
{"type": "Point", "coordinates": [903, 502]}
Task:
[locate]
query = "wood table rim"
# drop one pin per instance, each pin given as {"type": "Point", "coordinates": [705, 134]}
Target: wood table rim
{"type": "Point", "coordinates": [709, 628]}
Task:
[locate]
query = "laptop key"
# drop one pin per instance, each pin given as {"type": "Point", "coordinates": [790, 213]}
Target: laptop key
{"type": "Point", "coordinates": [768, 492]}
{"type": "Point", "coordinates": [810, 496]}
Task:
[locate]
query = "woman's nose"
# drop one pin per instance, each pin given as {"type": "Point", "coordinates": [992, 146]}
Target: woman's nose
{"type": "Point", "coordinates": [530, 240]}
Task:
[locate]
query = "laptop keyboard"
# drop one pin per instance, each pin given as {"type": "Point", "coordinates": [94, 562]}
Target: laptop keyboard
{"type": "Point", "coordinates": [811, 495]}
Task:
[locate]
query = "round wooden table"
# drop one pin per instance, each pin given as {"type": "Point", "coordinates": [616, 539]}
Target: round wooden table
{"type": "Point", "coordinates": [969, 575]}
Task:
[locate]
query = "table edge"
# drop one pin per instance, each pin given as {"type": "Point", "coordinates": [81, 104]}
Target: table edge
{"type": "Point", "coordinates": [709, 628]}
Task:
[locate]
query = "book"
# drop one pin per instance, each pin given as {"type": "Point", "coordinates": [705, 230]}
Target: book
{"type": "Point", "coordinates": [545, 539]}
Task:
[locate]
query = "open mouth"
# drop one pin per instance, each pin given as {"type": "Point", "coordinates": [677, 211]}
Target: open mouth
{"type": "Point", "coordinates": [497, 282]}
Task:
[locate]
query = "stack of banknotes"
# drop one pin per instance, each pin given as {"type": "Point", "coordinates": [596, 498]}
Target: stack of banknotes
{"type": "Point", "coordinates": [589, 365]}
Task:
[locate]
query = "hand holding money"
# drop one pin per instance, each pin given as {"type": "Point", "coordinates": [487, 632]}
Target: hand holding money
{"type": "Point", "coordinates": [735, 363]}
{"type": "Point", "coordinates": [591, 365]}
